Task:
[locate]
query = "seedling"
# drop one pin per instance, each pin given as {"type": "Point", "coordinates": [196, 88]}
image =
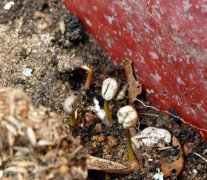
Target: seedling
{"type": "Point", "coordinates": [89, 76]}
{"type": "Point", "coordinates": [109, 91]}
{"type": "Point", "coordinates": [128, 117]}
{"type": "Point", "coordinates": [69, 107]}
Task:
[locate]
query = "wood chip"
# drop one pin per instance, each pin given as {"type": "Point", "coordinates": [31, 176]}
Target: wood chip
{"type": "Point", "coordinates": [135, 88]}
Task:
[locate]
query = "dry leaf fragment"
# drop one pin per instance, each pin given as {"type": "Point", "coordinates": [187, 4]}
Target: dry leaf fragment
{"type": "Point", "coordinates": [135, 88]}
{"type": "Point", "coordinates": [152, 137]}
{"type": "Point", "coordinates": [94, 163]}
{"type": "Point", "coordinates": [175, 167]}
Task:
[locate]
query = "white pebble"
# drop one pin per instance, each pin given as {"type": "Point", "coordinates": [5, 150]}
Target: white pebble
{"type": "Point", "coordinates": [27, 72]}
{"type": "Point", "coordinates": [195, 171]}
{"type": "Point", "coordinates": [9, 5]}
{"type": "Point", "coordinates": [158, 176]}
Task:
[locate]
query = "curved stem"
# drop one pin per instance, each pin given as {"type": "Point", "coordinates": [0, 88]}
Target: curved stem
{"type": "Point", "coordinates": [73, 121]}
{"type": "Point", "coordinates": [129, 146]}
{"type": "Point", "coordinates": [89, 76]}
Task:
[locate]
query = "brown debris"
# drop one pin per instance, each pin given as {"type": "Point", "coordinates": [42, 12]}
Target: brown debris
{"type": "Point", "coordinates": [98, 138]}
{"type": "Point", "coordinates": [135, 88]}
{"type": "Point", "coordinates": [34, 142]}
{"type": "Point", "coordinates": [188, 148]}
{"type": "Point", "coordinates": [107, 149]}
{"type": "Point", "coordinates": [112, 141]}
{"type": "Point", "coordinates": [175, 167]}
{"type": "Point", "coordinates": [98, 127]}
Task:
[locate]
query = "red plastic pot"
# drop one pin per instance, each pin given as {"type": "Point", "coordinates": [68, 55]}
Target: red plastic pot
{"type": "Point", "coordinates": [166, 40]}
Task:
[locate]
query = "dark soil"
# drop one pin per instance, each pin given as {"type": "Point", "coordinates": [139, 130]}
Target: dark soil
{"type": "Point", "coordinates": [39, 35]}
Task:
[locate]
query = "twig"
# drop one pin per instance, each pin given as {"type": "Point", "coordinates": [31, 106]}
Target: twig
{"type": "Point", "coordinates": [147, 105]}
{"type": "Point", "coordinates": [148, 114]}
{"type": "Point", "coordinates": [165, 148]}
{"type": "Point", "coordinates": [181, 119]}
{"type": "Point", "coordinates": [200, 156]}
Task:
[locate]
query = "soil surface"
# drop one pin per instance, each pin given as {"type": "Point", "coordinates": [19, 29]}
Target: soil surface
{"type": "Point", "coordinates": [38, 40]}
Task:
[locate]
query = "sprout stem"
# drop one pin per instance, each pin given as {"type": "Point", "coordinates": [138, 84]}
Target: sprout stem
{"type": "Point", "coordinates": [107, 111]}
{"type": "Point", "coordinates": [89, 76]}
{"type": "Point", "coordinates": [73, 121]}
{"type": "Point", "coordinates": [129, 146]}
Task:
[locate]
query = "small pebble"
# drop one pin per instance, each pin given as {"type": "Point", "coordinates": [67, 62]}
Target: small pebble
{"type": "Point", "coordinates": [112, 141]}
{"type": "Point", "coordinates": [195, 171]}
{"type": "Point", "coordinates": [27, 72]}
{"type": "Point", "coordinates": [89, 118]}
{"type": "Point", "coordinates": [42, 26]}
{"type": "Point", "coordinates": [98, 127]}
{"type": "Point", "coordinates": [158, 176]}
{"type": "Point", "coordinates": [98, 138]}
{"type": "Point", "coordinates": [64, 169]}
{"type": "Point", "coordinates": [8, 5]}
{"type": "Point", "coordinates": [94, 145]}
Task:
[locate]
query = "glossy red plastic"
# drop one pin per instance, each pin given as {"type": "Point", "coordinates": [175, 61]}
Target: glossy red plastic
{"type": "Point", "coordinates": [167, 42]}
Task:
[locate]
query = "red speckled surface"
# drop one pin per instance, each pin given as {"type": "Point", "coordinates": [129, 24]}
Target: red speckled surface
{"type": "Point", "coordinates": [166, 40]}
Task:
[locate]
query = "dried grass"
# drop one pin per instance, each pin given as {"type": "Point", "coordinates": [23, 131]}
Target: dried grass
{"type": "Point", "coordinates": [34, 142]}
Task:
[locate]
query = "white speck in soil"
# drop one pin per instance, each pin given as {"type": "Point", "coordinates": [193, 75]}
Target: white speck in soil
{"type": "Point", "coordinates": [27, 72]}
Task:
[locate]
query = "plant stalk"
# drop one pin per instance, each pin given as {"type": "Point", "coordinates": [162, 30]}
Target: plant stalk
{"type": "Point", "coordinates": [107, 111]}
{"type": "Point", "coordinates": [89, 76]}
{"type": "Point", "coordinates": [129, 147]}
